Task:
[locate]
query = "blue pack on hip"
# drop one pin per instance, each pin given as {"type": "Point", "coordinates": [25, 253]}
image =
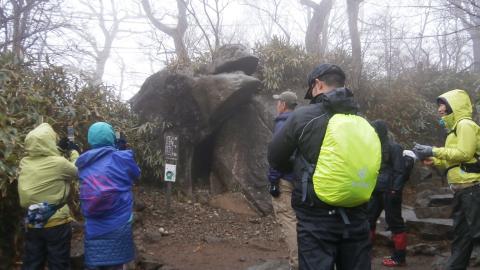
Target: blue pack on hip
{"type": "Point", "coordinates": [38, 214]}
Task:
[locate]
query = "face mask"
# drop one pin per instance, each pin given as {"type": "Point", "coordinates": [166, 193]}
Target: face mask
{"type": "Point", "coordinates": [442, 123]}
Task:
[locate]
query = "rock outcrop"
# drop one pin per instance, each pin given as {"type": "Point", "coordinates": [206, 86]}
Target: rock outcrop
{"type": "Point", "coordinates": [222, 122]}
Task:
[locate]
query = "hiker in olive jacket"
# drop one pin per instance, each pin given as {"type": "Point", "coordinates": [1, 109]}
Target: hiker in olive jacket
{"type": "Point", "coordinates": [44, 180]}
{"type": "Point", "coordinates": [459, 157]}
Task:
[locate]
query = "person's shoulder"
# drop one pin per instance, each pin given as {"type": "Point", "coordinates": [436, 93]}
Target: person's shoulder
{"type": "Point", "coordinates": [56, 159]}
{"type": "Point", "coordinates": [308, 111]}
{"type": "Point", "coordinates": [466, 122]}
{"type": "Point", "coordinates": [124, 154]}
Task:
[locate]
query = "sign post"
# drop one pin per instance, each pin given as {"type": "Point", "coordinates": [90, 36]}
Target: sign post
{"type": "Point", "coordinates": [171, 157]}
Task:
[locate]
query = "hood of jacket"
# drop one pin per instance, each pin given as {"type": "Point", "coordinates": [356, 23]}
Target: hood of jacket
{"type": "Point", "coordinates": [93, 155]}
{"type": "Point", "coordinates": [339, 100]}
{"type": "Point", "coordinates": [101, 134]}
{"type": "Point", "coordinates": [461, 106]}
{"type": "Point", "coordinates": [42, 142]}
{"type": "Point", "coordinates": [382, 130]}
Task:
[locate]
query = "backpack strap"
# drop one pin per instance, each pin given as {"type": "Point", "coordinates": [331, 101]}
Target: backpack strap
{"type": "Point", "coordinates": [328, 115]}
{"type": "Point", "coordinates": [309, 168]}
{"type": "Point", "coordinates": [308, 171]}
{"type": "Point", "coordinates": [467, 167]}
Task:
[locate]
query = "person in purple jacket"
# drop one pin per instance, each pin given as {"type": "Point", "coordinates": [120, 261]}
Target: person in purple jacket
{"type": "Point", "coordinates": [106, 179]}
{"type": "Point", "coordinates": [281, 185]}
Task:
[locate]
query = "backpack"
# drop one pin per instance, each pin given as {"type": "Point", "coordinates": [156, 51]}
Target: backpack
{"type": "Point", "coordinates": [349, 161]}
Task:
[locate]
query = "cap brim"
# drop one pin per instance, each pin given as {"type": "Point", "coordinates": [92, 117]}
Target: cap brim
{"type": "Point", "coordinates": [276, 96]}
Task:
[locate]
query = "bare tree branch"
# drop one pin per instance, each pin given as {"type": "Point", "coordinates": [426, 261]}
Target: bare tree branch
{"type": "Point", "coordinates": [274, 16]}
{"type": "Point", "coordinates": [316, 25]}
{"type": "Point", "coordinates": [176, 33]}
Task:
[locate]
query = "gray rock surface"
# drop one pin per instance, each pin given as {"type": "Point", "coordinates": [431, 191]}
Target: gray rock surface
{"type": "Point", "coordinates": [441, 199]}
{"type": "Point", "coordinates": [240, 154]}
{"type": "Point", "coordinates": [434, 203]}
{"type": "Point", "coordinates": [433, 212]}
{"type": "Point", "coordinates": [234, 202]}
{"type": "Point", "coordinates": [424, 249]}
{"type": "Point", "coordinates": [231, 58]}
{"type": "Point", "coordinates": [434, 229]}
{"type": "Point", "coordinates": [193, 108]}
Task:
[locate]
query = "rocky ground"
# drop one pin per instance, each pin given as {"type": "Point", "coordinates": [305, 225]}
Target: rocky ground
{"type": "Point", "coordinates": [195, 235]}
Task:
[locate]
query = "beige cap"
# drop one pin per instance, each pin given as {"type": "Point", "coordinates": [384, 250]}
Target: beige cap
{"type": "Point", "coordinates": [287, 96]}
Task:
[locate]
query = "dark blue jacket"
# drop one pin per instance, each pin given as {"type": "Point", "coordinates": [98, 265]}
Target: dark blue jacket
{"type": "Point", "coordinates": [274, 175]}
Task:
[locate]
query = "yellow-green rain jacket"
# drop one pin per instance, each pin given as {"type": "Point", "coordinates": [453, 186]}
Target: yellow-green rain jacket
{"type": "Point", "coordinates": [462, 141]}
{"type": "Point", "coordinates": [44, 174]}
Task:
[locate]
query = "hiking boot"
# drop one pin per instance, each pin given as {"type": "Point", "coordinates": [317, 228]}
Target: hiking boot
{"type": "Point", "coordinates": [399, 253]}
{"type": "Point", "coordinates": [390, 262]}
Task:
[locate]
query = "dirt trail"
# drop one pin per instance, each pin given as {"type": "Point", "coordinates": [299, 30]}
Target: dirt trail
{"type": "Point", "coordinates": [196, 237]}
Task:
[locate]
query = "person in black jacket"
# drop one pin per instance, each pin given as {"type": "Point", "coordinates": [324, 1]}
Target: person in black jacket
{"type": "Point", "coordinates": [324, 238]}
{"type": "Point", "coordinates": [388, 195]}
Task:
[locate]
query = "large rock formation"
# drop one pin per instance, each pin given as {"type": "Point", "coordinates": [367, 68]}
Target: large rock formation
{"type": "Point", "coordinates": [231, 58]}
{"type": "Point", "coordinates": [221, 125]}
{"type": "Point", "coordinates": [194, 106]}
{"type": "Point", "coordinates": [239, 159]}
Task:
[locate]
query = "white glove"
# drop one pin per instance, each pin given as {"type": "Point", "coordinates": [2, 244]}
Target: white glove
{"type": "Point", "coordinates": [410, 153]}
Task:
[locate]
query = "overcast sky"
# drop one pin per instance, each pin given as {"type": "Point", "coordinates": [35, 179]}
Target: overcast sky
{"type": "Point", "coordinates": [241, 23]}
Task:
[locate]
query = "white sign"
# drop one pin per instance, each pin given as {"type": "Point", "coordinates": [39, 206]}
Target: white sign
{"type": "Point", "coordinates": [170, 172]}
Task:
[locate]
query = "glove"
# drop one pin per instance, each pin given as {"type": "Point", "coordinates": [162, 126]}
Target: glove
{"type": "Point", "coordinates": [66, 145]}
{"type": "Point", "coordinates": [422, 151]}
{"type": "Point", "coordinates": [121, 144]}
{"type": "Point", "coordinates": [63, 144]}
{"type": "Point", "coordinates": [274, 190]}
{"type": "Point", "coordinates": [410, 153]}
{"type": "Point", "coordinates": [73, 146]}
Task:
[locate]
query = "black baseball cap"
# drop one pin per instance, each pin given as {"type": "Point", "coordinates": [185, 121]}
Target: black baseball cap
{"type": "Point", "coordinates": [319, 71]}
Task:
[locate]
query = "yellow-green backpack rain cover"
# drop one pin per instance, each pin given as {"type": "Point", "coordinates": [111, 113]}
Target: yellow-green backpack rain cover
{"type": "Point", "coordinates": [349, 161]}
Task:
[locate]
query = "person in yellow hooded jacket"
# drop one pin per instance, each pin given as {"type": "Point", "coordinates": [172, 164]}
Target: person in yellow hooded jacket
{"type": "Point", "coordinates": [43, 187]}
{"type": "Point", "coordinates": [459, 157]}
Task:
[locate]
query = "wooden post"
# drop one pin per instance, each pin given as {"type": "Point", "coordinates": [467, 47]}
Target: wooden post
{"type": "Point", "coordinates": [171, 157]}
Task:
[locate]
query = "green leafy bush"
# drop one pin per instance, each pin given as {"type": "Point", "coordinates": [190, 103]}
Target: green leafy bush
{"type": "Point", "coordinates": [30, 96]}
{"type": "Point", "coordinates": [282, 65]}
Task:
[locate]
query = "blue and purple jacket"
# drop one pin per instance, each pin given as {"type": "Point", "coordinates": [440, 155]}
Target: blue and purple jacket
{"type": "Point", "coordinates": [106, 179]}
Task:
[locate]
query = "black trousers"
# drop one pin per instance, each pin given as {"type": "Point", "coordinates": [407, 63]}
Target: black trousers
{"type": "Point", "coordinates": [50, 245]}
{"type": "Point", "coordinates": [325, 241]}
{"type": "Point", "coordinates": [392, 204]}
{"type": "Point", "coordinates": [466, 227]}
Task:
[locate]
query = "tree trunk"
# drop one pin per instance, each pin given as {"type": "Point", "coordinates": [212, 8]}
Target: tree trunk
{"type": "Point", "coordinates": [176, 33]}
{"type": "Point", "coordinates": [468, 11]}
{"type": "Point", "coordinates": [352, 8]}
{"type": "Point", "coordinates": [316, 26]}
{"type": "Point", "coordinates": [181, 49]}
{"type": "Point", "coordinates": [17, 28]}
